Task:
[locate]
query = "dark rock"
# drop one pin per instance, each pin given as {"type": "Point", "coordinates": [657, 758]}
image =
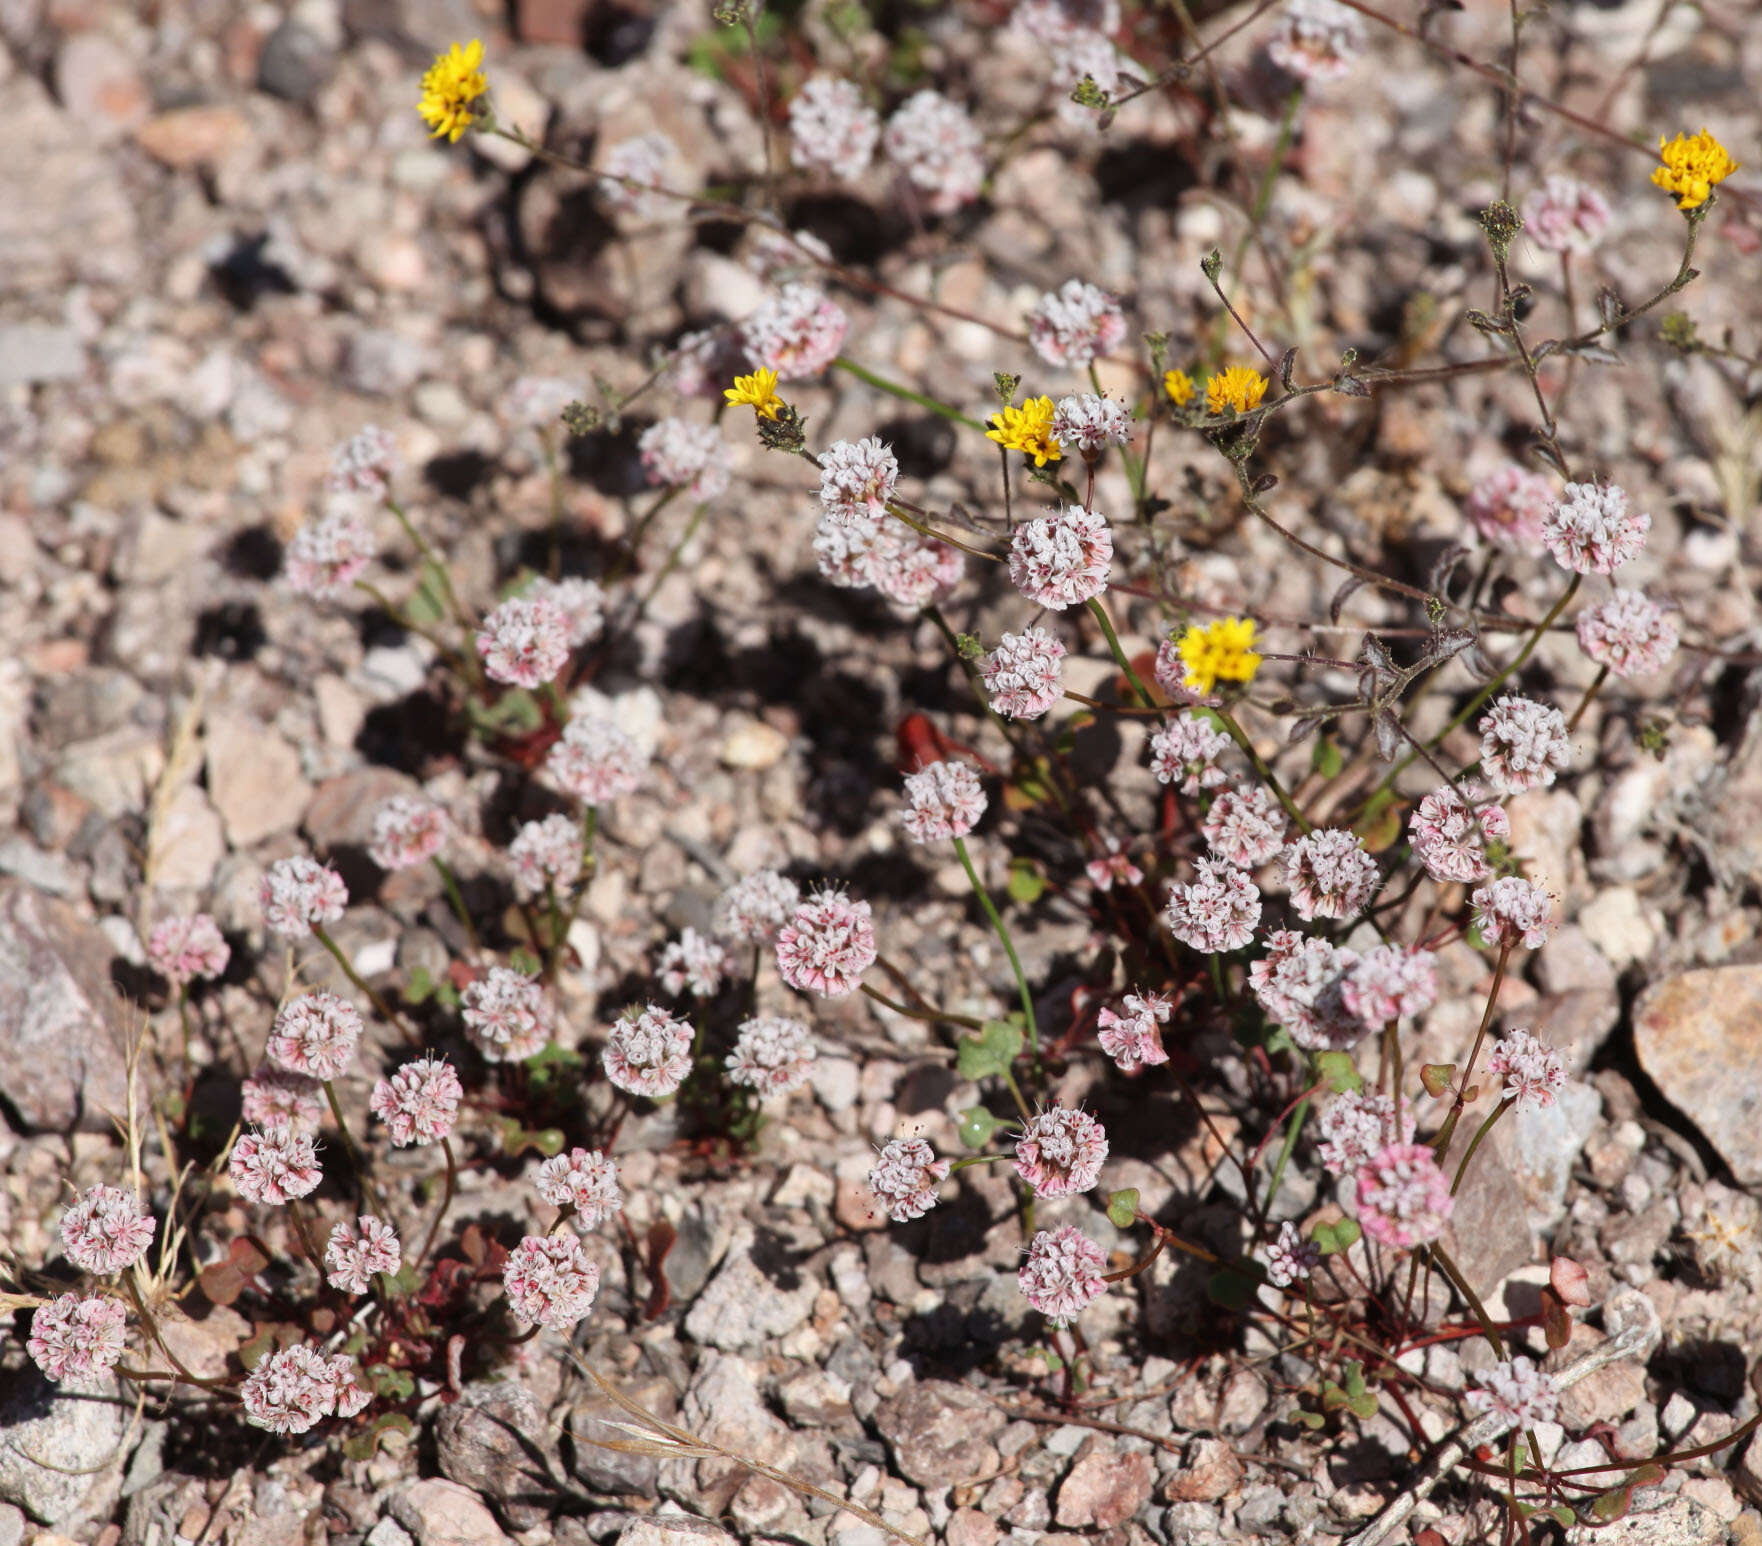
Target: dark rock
{"type": "Point", "coordinates": [496, 1441]}
{"type": "Point", "coordinates": [295, 64]}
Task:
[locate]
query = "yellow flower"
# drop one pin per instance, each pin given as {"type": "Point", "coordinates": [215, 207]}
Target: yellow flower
{"type": "Point", "coordinates": [1179, 385]}
{"type": "Point", "coordinates": [1027, 429]}
{"type": "Point", "coordinates": [758, 389]}
{"type": "Point", "coordinates": [1239, 388]}
{"type": "Point", "coordinates": [454, 81]}
{"type": "Point", "coordinates": [1692, 165]}
{"type": "Point", "coordinates": [1219, 652]}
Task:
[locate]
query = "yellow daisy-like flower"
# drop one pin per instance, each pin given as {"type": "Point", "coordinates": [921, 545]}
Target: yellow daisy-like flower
{"type": "Point", "coordinates": [1238, 387]}
{"type": "Point", "coordinates": [454, 81]}
{"type": "Point", "coordinates": [759, 390]}
{"type": "Point", "coordinates": [1219, 652]}
{"type": "Point", "coordinates": [1027, 429]}
{"type": "Point", "coordinates": [1179, 385]}
{"type": "Point", "coordinates": [1692, 165]}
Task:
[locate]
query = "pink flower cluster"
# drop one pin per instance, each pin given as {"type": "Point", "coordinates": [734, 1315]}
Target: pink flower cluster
{"type": "Point", "coordinates": [1518, 1391]}
{"type": "Point", "coordinates": [1511, 911]}
{"type": "Point", "coordinates": [1245, 827]}
{"type": "Point", "coordinates": [106, 1230]}
{"type": "Point", "coordinates": [695, 963]}
{"type": "Point", "coordinates": [1184, 753]}
{"type": "Point", "coordinates": [1023, 674]}
{"type": "Point", "coordinates": [1450, 839]}
{"type": "Point", "coordinates": [939, 148]}
{"type": "Point", "coordinates": [857, 478]}
{"type": "Point", "coordinates": [364, 464]}
{"type": "Point", "coordinates": [583, 1179]}
{"type": "Point", "coordinates": [294, 1388]}
{"type": "Point", "coordinates": [507, 1015]}
{"type": "Point", "coordinates": [908, 568]}
{"type": "Point", "coordinates": [634, 170]}
{"type": "Point", "coordinates": [357, 1250]}
{"type": "Point", "coordinates": [595, 762]}
{"type": "Point", "coordinates": [1061, 560]}
{"type": "Point", "coordinates": [1329, 874]}
{"type": "Point", "coordinates": [1629, 633]}
{"type": "Point", "coordinates": [1510, 506]}
{"type": "Point", "coordinates": [1300, 983]}
{"type": "Point", "coordinates": [183, 949]}
{"type": "Point", "coordinates": [1317, 40]}
{"type": "Point", "coordinates": [831, 128]}
{"type": "Point", "coordinates": [756, 906]}
{"type": "Point", "coordinates": [274, 1164]}
{"type": "Point", "coordinates": [1357, 1126]}
{"type": "Point", "coordinates": [1390, 982]}
{"type": "Point", "coordinates": [1132, 1034]}
{"type": "Point", "coordinates": [1591, 530]}
{"type": "Point", "coordinates": [827, 944]}
{"type": "Point", "coordinates": [408, 830]}
{"type": "Point", "coordinates": [325, 558]}
{"type": "Point", "coordinates": [420, 1102]}
{"type": "Point", "coordinates": [1403, 1196]}
{"type": "Point", "coordinates": [648, 1052]}
{"type": "Point", "coordinates": [315, 1034]}
{"type": "Point", "coordinates": [1533, 1072]}
{"type": "Point", "coordinates": [797, 333]}
{"type": "Point", "coordinates": [1217, 911]}
{"type": "Point", "coordinates": [298, 894]}
{"type": "Point", "coordinates": [944, 800]}
{"type": "Point", "coordinates": [772, 1055]}
{"type": "Point", "coordinates": [1523, 744]}
{"type": "Point", "coordinates": [905, 1178]}
{"type": "Point", "coordinates": [581, 601]}
{"type": "Point", "coordinates": [545, 855]}
{"type": "Point", "coordinates": [77, 1338]}
{"type": "Point", "coordinates": [1289, 1258]}
{"type": "Point", "coordinates": [550, 1281]}
{"type": "Point", "coordinates": [524, 642]}
{"type": "Point", "coordinates": [1565, 215]}
{"type": "Point", "coordinates": [1088, 424]}
{"type": "Point", "coordinates": [677, 453]}
{"type": "Point", "coordinates": [1061, 1151]}
{"type": "Point", "coordinates": [274, 1095]}
{"type": "Point", "coordinates": [1074, 324]}
{"type": "Point", "coordinates": [1063, 1274]}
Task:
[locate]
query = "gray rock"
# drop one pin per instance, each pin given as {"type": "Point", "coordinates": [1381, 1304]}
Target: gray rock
{"type": "Point", "coordinates": [62, 1449]}
{"type": "Point", "coordinates": [388, 1532]}
{"type": "Point", "coordinates": [495, 1440]}
{"type": "Point", "coordinates": [1541, 1146]}
{"type": "Point", "coordinates": [155, 1513]}
{"type": "Point", "coordinates": [295, 63]}
{"type": "Point", "coordinates": [99, 86]}
{"type": "Point", "coordinates": [1488, 1235]}
{"type": "Point", "coordinates": [940, 1433]}
{"type": "Point", "coordinates": [35, 351]}
{"type": "Point", "coordinates": [254, 779]}
{"type": "Point", "coordinates": [679, 1531]}
{"type": "Point", "coordinates": [62, 1025]}
{"type": "Point", "coordinates": [71, 219]}
{"type": "Point", "coordinates": [1106, 1488]}
{"type": "Point", "coordinates": [744, 1307]}
{"type": "Point", "coordinates": [1657, 1519]}
{"type": "Point", "coordinates": [440, 1513]}
{"type": "Point", "coordinates": [1699, 1036]}
{"type": "Point", "coordinates": [13, 1525]}
{"type": "Point", "coordinates": [592, 1421]}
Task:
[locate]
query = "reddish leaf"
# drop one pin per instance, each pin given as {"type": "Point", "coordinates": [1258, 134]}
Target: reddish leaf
{"type": "Point", "coordinates": [1556, 1322]}
{"type": "Point", "coordinates": [1570, 1281]}
{"type": "Point", "coordinates": [1429, 1537]}
{"type": "Point", "coordinates": [661, 1236]}
{"type": "Point", "coordinates": [224, 1281]}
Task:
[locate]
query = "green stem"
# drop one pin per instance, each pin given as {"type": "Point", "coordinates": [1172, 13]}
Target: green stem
{"type": "Point", "coordinates": [1499, 1110]}
{"type": "Point", "coordinates": [457, 898]}
{"type": "Point", "coordinates": [1298, 1118]}
{"type": "Point", "coordinates": [1015, 961]}
{"type": "Point", "coordinates": [672, 560]}
{"type": "Point", "coordinates": [931, 1016]}
{"type": "Point", "coordinates": [369, 1192]}
{"type": "Point", "coordinates": [1585, 702]}
{"type": "Point", "coordinates": [1240, 737]}
{"type": "Point", "coordinates": [447, 1193]}
{"type": "Point", "coordinates": [1472, 1299]}
{"type": "Point", "coordinates": [1448, 1131]}
{"type": "Point", "coordinates": [905, 394]}
{"type": "Point", "coordinates": [381, 1008]}
{"type": "Point", "coordinates": [1099, 613]}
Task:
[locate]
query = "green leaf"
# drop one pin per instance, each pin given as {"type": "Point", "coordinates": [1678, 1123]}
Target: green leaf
{"type": "Point", "coordinates": [991, 1050]}
{"type": "Point", "coordinates": [1122, 1208]}
{"type": "Point", "coordinates": [445, 993]}
{"type": "Point", "coordinates": [1026, 883]}
{"type": "Point", "coordinates": [1610, 1506]}
{"type": "Point", "coordinates": [1347, 1233]}
{"type": "Point", "coordinates": [402, 1283]}
{"type": "Point", "coordinates": [977, 1126]}
{"type": "Point", "coordinates": [393, 1384]}
{"type": "Point", "coordinates": [1229, 1289]}
{"type": "Point", "coordinates": [524, 961]}
{"type": "Point", "coordinates": [1563, 1515]}
{"type": "Point", "coordinates": [420, 987]}
{"type": "Point", "coordinates": [1310, 1420]}
{"type": "Point", "coordinates": [364, 1446]}
{"type": "Point", "coordinates": [1326, 759]}
{"type": "Point", "coordinates": [1436, 1077]}
{"type": "Point", "coordinates": [428, 602]}
{"type": "Point", "coordinates": [1338, 1070]}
